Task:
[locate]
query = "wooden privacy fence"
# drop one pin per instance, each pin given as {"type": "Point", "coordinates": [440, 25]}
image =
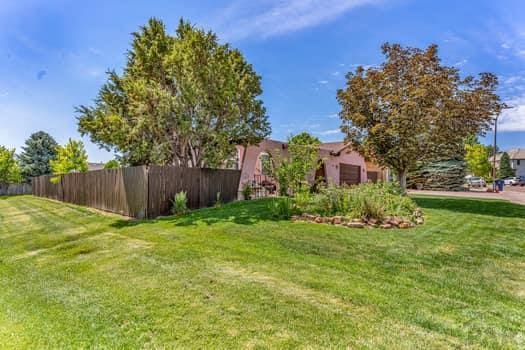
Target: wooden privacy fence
{"type": "Point", "coordinates": [141, 192]}
{"type": "Point", "coordinates": [9, 189]}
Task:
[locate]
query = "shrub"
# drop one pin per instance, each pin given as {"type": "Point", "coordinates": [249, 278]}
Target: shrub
{"type": "Point", "coordinates": [247, 191]}
{"type": "Point", "coordinates": [218, 201]}
{"type": "Point", "coordinates": [281, 208]}
{"type": "Point", "coordinates": [179, 203]}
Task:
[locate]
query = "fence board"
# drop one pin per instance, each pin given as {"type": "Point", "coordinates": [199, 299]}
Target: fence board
{"type": "Point", "coordinates": [9, 189]}
{"type": "Point", "coordinates": [141, 192]}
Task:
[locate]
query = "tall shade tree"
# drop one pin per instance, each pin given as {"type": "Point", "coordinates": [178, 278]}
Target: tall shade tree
{"type": "Point", "coordinates": [413, 108]}
{"type": "Point", "coordinates": [183, 99]}
{"type": "Point", "coordinates": [70, 158]}
{"type": "Point", "coordinates": [9, 168]}
{"type": "Point", "coordinates": [36, 154]}
{"type": "Point", "coordinates": [505, 169]}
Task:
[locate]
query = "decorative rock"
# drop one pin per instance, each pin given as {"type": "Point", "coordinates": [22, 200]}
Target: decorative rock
{"type": "Point", "coordinates": [386, 226]}
{"type": "Point", "coordinates": [318, 219]}
{"type": "Point", "coordinates": [405, 224]}
{"type": "Point", "coordinates": [394, 222]}
{"type": "Point", "coordinates": [357, 220]}
{"type": "Point", "coordinates": [420, 221]}
{"type": "Point", "coordinates": [337, 220]}
{"type": "Point", "coordinates": [355, 224]}
{"type": "Point", "coordinates": [309, 217]}
{"type": "Point", "coordinates": [295, 218]}
{"type": "Point", "coordinates": [372, 221]}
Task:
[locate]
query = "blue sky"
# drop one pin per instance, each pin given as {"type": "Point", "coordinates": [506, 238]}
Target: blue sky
{"type": "Point", "coordinates": [53, 53]}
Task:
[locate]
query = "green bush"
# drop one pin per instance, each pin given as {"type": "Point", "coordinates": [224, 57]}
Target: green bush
{"type": "Point", "coordinates": [364, 201]}
{"type": "Point", "coordinates": [247, 191]}
{"type": "Point", "coordinates": [179, 203]}
{"type": "Point", "coordinates": [282, 208]}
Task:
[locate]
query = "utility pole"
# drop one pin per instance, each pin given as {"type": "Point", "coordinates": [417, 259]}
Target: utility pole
{"type": "Point", "coordinates": [494, 154]}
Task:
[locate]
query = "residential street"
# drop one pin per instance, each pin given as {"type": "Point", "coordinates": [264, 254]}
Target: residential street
{"type": "Point", "coordinates": [514, 194]}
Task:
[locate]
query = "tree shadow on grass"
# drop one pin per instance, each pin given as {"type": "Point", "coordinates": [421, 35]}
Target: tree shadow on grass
{"type": "Point", "coordinates": [241, 213]}
{"type": "Point", "coordinates": [489, 207]}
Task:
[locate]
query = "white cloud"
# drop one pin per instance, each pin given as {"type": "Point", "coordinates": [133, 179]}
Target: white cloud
{"type": "Point", "coordinates": [323, 82]}
{"type": "Point", "coordinates": [4, 94]}
{"type": "Point", "coordinates": [513, 119]}
{"type": "Point", "coordinates": [267, 18]}
{"type": "Point", "coordinates": [460, 63]}
{"type": "Point", "coordinates": [333, 115]}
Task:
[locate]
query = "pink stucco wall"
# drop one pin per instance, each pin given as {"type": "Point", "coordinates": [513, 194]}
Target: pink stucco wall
{"type": "Point", "coordinates": [249, 169]}
{"type": "Point", "coordinates": [332, 164]}
{"type": "Point", "coordinates": [276, 148]}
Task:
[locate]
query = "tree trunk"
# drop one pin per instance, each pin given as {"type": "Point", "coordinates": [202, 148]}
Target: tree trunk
{"type": "Point", "coordinates": [402, 178]}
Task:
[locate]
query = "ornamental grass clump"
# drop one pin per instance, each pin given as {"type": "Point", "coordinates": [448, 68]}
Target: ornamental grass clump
{"type": "Point", "coordinates": [179, 203]}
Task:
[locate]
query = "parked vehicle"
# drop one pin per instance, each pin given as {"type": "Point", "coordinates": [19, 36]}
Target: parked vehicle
{"type": "Point", "coordinates": [476, 181]}
{"type": "Point", "coordinates": [521, 181]}
{"type": "Point", "coordinates": [511, 181]}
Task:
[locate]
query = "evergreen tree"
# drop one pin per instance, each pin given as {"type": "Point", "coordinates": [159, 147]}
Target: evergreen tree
{"type": "Point", "coordinates": [39, 149]}
{"type": "Point", "coordinates": [183, 99]}
{"type": "Point", "coordinates": [505, 170]}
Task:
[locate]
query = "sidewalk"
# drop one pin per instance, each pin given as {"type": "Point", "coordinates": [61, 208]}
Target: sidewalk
{"type": "Point", "coordinates": [509, 195]}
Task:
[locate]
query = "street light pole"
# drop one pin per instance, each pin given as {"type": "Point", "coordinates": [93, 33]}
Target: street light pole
{"type": "Point", "coordinates": [494, 154]}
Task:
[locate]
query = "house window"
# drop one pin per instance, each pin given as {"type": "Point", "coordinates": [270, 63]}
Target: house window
{"type": "Point", "coordinates": [518, 162]}
{"type": "Point", "coordinates": [266, 164]}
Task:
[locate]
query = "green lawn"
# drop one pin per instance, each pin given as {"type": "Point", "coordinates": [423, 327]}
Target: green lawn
{"type": "Point", "coordinates": [232, 277]}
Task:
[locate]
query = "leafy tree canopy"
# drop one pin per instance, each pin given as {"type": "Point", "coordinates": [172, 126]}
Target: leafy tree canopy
{"type": "Point", "coordinates": [412, 108]}
{"type": "Point", "coordinates": [505, 170]}
{"type": "Point", "coordinates": [70, 158]}
{"type": "Point", "coordinates": [39, 149]}
{"type": "Point", "coordinates": [112, 164]}
{"type": "Point", "coordinates": [9, 168]}
{"type": "Point", "coordinates": [183, 99]}
{"type": "Point", "coordinates": [477, 157]}
{"type": "Point", "coordinates": [293, 171]}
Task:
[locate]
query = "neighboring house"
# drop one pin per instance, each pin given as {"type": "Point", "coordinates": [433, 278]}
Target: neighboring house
{"type": "Point", "coordinates": [95, 166]}
{"type": "Point", "coordinates": [338, 163]}
{"type": "Point", "coordinates": [517, 160]}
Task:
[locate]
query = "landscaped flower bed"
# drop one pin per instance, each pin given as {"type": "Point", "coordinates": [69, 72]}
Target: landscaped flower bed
{"type": "Point", "coordinates": [387, 223]}
{"type": "Point", "coordinates": [382, 205]}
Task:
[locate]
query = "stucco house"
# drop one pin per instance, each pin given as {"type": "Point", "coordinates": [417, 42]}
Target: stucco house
{"type": "Point", "coordinates": [339, 164]}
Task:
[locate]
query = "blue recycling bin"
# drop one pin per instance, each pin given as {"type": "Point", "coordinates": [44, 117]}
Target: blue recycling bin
{"type": "Point", "coordinates": [499, 185]}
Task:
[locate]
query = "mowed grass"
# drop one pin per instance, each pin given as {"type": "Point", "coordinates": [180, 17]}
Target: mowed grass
{"type": "Point", "coordinates": [234, 278]}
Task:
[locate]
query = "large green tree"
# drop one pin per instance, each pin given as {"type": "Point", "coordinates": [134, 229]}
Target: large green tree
{"type": "Point", "coordinates": [38, 150]}
{"type": "Point", "coordinates": [413, 108]}
{"type": "Point", "coordinates": [70, 158]}
{"type": "Point", "coordinates": [505, 170]}
{"type": "Point", "coordinates": [9, 168]}
{"type": "Point", "coordinates": [184, 99]}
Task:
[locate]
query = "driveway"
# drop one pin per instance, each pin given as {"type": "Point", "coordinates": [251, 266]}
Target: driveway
{"type": "Point", "coordinates": [512, 194]}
